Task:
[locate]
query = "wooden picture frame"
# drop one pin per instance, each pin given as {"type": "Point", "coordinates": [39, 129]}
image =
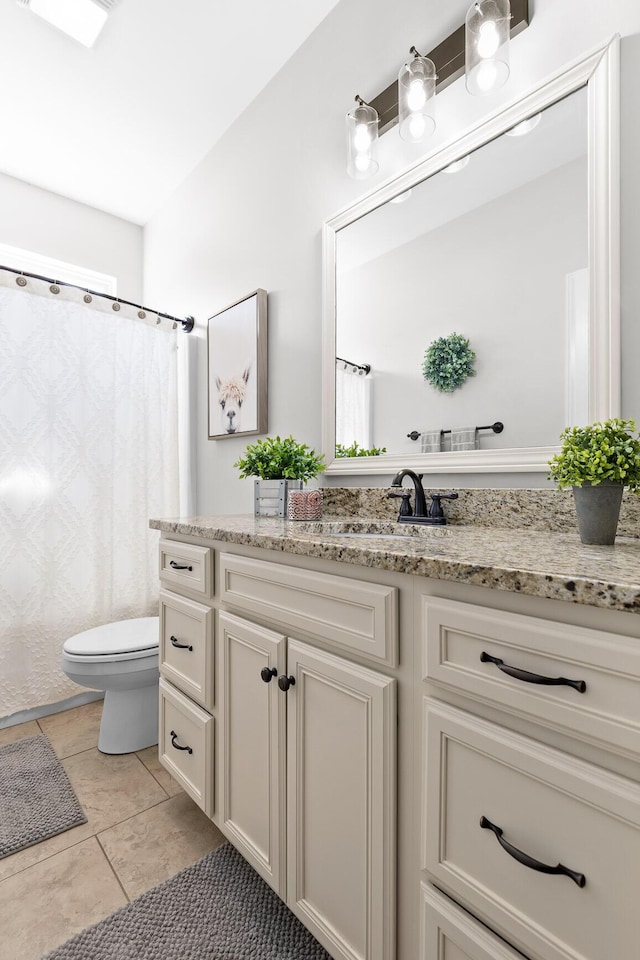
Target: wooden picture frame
{"type": "Point", "coordinates": [237, 368]}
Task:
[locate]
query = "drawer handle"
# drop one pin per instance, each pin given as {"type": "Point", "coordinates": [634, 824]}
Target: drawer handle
{"type": "Point", "coordinates": [176, 746]}
{"type": "Point", "coordinates": [528, 861]}
{"type": "Point", "coordinates": [180, 646]}
{"type": "Point", "coordinates": [285, 682]}
{"type": "Point", "coordinates": [267, 673]}
{"type": "Point", "coordinates": [179, 566]}
{"type": "Point", "coordinates": [527, 677]}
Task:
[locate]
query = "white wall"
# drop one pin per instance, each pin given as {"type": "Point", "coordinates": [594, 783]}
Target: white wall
{"type": "Point", "coordinates": [250, 214]}
{"type": "Point", "coordinates": [53, 226]}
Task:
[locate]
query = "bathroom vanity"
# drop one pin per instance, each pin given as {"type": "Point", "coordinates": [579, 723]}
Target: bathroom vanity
{"type": "Point", "coordinates": [426, 744]}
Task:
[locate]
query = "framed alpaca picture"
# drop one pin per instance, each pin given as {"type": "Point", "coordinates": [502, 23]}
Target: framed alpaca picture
{"type": "Point", "coordinates": [237, 368]}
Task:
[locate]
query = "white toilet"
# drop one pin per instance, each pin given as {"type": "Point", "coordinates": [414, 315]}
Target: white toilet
{"type": "Point", "coordinates": [122, 659]}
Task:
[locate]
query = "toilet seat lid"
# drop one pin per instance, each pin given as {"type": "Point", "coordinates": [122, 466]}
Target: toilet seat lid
{"type": "Point", "coordinates": [123, 636]}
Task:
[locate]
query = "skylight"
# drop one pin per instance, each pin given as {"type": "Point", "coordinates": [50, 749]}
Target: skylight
{"type": "Point", "coordinates": [80, 19]}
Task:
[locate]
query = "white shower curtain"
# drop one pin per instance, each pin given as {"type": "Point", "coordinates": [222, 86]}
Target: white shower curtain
{"type": "Point", "coordinates": [353, 406]}
{"type": "Point", "coordinates": [88, 452]}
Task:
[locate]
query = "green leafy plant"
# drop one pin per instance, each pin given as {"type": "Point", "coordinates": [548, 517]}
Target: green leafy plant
{"type": "Point", "coordinates": [597, 453]}
{"type": "Point", "coordinates": [448, 361]}
{"type": "Point", "coordinates": [276, 459]}
{"type": "Point", "coordinates": [355, 450]}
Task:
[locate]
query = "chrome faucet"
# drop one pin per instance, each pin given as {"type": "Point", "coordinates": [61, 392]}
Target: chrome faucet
{"type": "Point", "coordinates": [434, 514]}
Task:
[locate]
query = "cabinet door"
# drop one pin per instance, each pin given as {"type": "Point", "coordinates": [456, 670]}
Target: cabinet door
{"type": "Point", "coordinates": [252, 723]}
{"type": "Point", "coordinates": [341, 785]}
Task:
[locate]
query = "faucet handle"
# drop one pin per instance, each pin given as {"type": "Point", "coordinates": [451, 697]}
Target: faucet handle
{"type": "Point", "coordinates": [405, 506]}
{"type": "Point", "coordinates": [435, 510]}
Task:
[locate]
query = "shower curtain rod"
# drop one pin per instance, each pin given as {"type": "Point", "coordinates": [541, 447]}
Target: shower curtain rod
{"type": "Point", "coordinates": [364, 367]}
{"type": "Point", "coordinates": [187, 323]}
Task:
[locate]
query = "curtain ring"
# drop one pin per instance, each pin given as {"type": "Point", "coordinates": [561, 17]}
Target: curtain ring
{"type": "Point", "coordinates": [87, 297]}
{"type": "Point", "coordinates": [142, 315]}
{"type": "Point", "coordinates": [54, 288]}
{"type": "Point", "coordinates": [158, 319]}
{"type": "Point", "coordinates": [21, 280]}
{"type": "Point", "coordinates": [115, 306]}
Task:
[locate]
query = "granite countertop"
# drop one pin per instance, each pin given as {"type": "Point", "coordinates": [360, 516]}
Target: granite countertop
{"type": "Point", "coordinates": [541, 564]}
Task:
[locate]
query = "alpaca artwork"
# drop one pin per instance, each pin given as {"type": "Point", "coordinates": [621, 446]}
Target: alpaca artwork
{"type": "Point", "coordinates": [237, 368]}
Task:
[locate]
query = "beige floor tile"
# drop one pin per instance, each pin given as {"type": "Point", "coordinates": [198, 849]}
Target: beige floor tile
{"type": "Point", "coordinates": [73, 731]}
{"type": "Point", "coordinates": [11, 734]}
{"type": "Point", "coordinates": [150, 759]}
{"type": "Point", "coordinates": [112, 788]}
{"type": "Point", "coordinates": [20, 861]}
{"type": "Point", "coordinates": [51, 901]}
{"type": "Point", "coordinates": [158, 843]}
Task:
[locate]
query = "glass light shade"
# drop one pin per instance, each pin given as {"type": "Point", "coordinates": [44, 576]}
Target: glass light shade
{"type": "Point", "coordinates": [416, 99]}
{"type": "Point", "coordinates": [362, 142]}
{"type": "Point", "coordinates": [487, 33]}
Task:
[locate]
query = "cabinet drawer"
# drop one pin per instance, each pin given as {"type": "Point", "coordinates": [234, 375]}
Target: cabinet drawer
{"type": "Point", "coordinates": [552, 807]}
{"type": "Point", "coordinates": [186, 566]}
{"type": "Point", "coordinates": [185, 725]}
{"type": "Point", "coordinates": [447, 932]}
{"type": "Point", "coordinates": [350, 614]}
{"type": "Point", "coordinates": [459, 638]}
{"type": "Point", "coordinates": [186, 646]}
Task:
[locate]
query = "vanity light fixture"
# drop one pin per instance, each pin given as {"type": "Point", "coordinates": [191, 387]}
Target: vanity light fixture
{"type": "Point", "coordinates": [525, 126]}
{"type": "Point", "coordinates": [416, 98]}
{"type": "Point", "coordinates": [362, 139]}
{"type": "Point", "coordinates": [486, 58]}
{"type": "Point", "coordinates": [479, 47]}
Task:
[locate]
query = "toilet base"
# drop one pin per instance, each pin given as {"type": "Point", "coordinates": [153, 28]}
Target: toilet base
{"type": "Point", "coordinates": [129, 720]}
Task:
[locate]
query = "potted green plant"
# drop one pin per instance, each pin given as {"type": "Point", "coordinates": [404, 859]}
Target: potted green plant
{"type": "Point", "coordinates": [598, 461]}
{"type": "Point", "coordinates": [279, 466]}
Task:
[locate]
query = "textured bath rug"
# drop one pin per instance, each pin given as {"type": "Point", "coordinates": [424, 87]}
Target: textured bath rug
{"type": "Point", "coordinates": [36, 799]}
{"type": "Point", "coordinates": [217, 909]}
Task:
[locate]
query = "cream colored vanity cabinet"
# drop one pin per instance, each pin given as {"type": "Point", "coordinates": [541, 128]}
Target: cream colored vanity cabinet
{"type": "Point", "coordinates": [530, 800]}
{"type": "Point", "coordinates": [307, 772]}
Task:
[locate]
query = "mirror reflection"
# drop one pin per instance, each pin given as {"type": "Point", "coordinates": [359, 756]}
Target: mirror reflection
{"type": "Point", "coordinates": [481, 271]}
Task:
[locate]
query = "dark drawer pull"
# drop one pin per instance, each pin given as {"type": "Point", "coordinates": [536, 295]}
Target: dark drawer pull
{"type": "Point", "coordinates": [179, 566]}
{"type": "Point", "coordinates": [180, 646]}
{"type": "Point", "coordinates": [528, 861]}
{"type": "Point", "coordinates": [176, 746]}
{"type": "Point", "coordinates": [527, 677]}
{"type": "Point", "coordinates": [267, 673]}
{"type": "Point", "coordinates": [285, 682]}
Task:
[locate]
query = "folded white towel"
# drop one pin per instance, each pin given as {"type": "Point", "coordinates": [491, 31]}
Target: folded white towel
{"type": "Point", "coordinates": [464, 438]}
{"type": "Point", "coordinates": [430, 441]}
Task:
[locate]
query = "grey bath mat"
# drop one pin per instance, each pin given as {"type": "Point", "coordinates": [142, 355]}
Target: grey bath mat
{"type": "Point", "coordinates": [218, 909]}
{"type": "Point", "coordinates": [36, 799]}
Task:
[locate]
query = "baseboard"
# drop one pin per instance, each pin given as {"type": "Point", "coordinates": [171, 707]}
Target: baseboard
{"type": "Point", "coordinates": [24, 716]}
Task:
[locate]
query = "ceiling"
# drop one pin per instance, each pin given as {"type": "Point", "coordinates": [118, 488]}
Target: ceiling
{"type": "Point", "coordinates": [121, 125]}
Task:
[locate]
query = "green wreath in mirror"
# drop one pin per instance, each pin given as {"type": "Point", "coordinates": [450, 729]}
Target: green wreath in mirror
{"type": "Point", "coordinates": [448, 361]}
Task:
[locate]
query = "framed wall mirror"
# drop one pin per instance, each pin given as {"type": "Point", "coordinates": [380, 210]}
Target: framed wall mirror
{"type": "Point", "coordinates": [507, 237]}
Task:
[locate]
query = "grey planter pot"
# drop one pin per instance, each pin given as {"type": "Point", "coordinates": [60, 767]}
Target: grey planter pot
{"type": "Point", "coordinates": [598, 510]}
{"type": "Point", "coordinates": [270, 496]}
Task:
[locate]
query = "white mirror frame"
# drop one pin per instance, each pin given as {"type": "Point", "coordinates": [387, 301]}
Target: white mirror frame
{"type": "Point", "coordinates": [600, 71]}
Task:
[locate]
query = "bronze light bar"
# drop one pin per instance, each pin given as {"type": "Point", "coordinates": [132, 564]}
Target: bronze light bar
{"type": "Point", "coordinates": [448, 58]}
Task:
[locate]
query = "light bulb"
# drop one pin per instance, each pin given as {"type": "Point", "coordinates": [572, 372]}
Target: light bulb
{"type": "Point", "coordinates": [362, 161]}
{"type": "Point", "coordinates": [361, 138]}
{"type": "Point", "coordinates": [416, 97]}
{"type": "Point", "coordinates": [417, 127]}
{"type": "Point", "coordinates": [486, 76]}
{"type": "Point", "coordinates": [488, 39]}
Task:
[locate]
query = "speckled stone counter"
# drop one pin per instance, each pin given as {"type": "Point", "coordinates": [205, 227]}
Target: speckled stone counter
{"type": "Point", "coordinates": [540, 564]}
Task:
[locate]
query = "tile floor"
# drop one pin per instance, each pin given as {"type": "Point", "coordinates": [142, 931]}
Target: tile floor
{"type": "Point", "coordinates": [142, 828]}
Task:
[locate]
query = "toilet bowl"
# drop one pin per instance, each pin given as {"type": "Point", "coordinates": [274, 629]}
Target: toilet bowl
{"type": "Point", "coordinates": [122, 659]}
